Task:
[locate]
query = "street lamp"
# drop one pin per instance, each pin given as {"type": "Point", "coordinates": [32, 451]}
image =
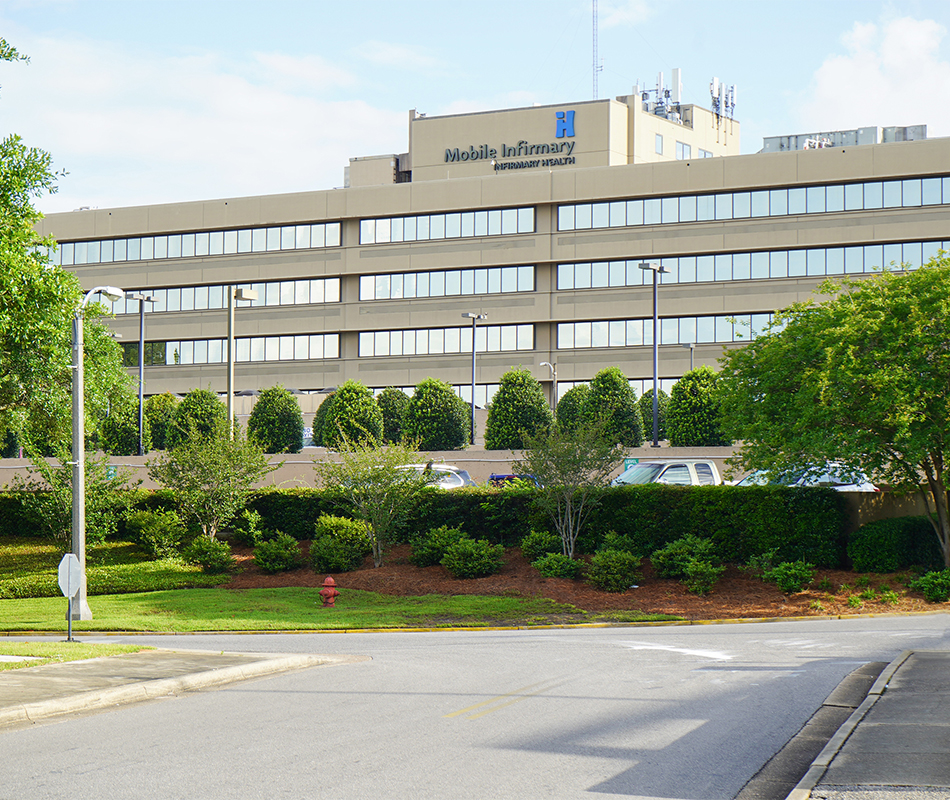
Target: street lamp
{"type": "Point", "coordinates": [692, 349]}
{"type": "Point", "coordinates": [143, 299]}
{"type": "Point", "coordinates": [657, 269]}
{"type": "Point", "coordinates": [234, 293]}
{"type": "Point", "coordinates": [553, 368]}
{"type": "Point", "coordinates": [80, 610]}
{"type": "Point", "coordinates": [474, 318]}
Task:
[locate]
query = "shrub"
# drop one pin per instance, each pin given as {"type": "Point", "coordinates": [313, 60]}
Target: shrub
{"type": "Point", "coordinates": [429, 548]}
{"type": "Point", "coordinates": [613, 571]}
{"type": "Point", "coordinates": [119, 432]}
{"type": "Point", "coordinates": [437, 418]}
{"type": "Point", "coordinates": [645, 403]}
{"type": "Point", "coordinates": [353, 415]}
{"type": "Point", "coordinates": [278, 554]}
{"type": "Point", "coordinates": [613, 404]}
{"type": "Point", "coordinates": [693, 416]}
{"type": "Point", "coordinates": [351, 531]}
{"type": "Point", "coordinates": [159, 411]}
{"type": "Point", "coordinates": [159, 533]}
{"type": "Point", "coordinates": [570, 408]}
{"type": "Point", "coordinates": [540, 543]}
{"type": "Point", "coordinates": [473, 558]}
{"type": "Point", "coordinates": [557, 565]}
{"type": "Point", "coordinates": [276, 422]}
{"type": "Point", "coordinates": [212, 555]}
{"type": "Point", "coordinates": [247, 528]}
{"type": "Point", "coordinates": [330, 554]}
{"type": "Point", "coordinates": [392, 404]}
{"type": "Point", "coordinates": [935, 586]}
{"type": "Point", "coordinates": [701, 576]}
{"type": "Point", "coordinates": [319, 418]}
{"type": "Point", "coordinates": [673, 560]}
{"type": "Point", "coordinates": [888, 545]}
{"type": "Point", "coordinates": [761, 563]}
{"type": "Point", "coordinates": [519, 408]}
{"type": "Point", "coordinates": [200, 411]}
{"type": "Point", "coordinates": [791, 576]}
{"type": "Point", "coordinates": [615, 541]}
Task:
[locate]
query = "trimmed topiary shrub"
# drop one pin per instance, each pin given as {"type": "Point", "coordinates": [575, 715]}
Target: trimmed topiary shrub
{"type": "Point", "coordinates": [889, 545]}
{"type": "Point", "coordinates": [693, 415]}
{"type": "Point", "coordinates": [159, 533]}
{"type": "Point", "coordinates": [201, 411]}
{"type": "Point", "coordinates": [353, 415]}
{"type": "Point", "coordinates": [790, 576]}
{"type": "Point", "coordinates": [557, 565]}
{"type": "Point", "coordinates": [613, 571]}
{"type": "Point", "coordinates": [570, 408]}
{"type": "Point", "coordinates": [614, 404]}
{"type": "Point", "coordinates": [119, 432]}
{"type": "Point", "coordinates": [392, 404]}
{"type": "Point", "coordinates": [351, 531]}
{"type": "Point", "coordinates": [645, 404]}
{"type": "Point", "coordinates": [330, 554]}
{"type": "Point", "coordinates": [212, 555]}
{"type": "Point", "coordinates": [540, 543]}
{"type": "Point", "coordinates": [429, 548]}
{"type": "Point", "coordinates": [279, 553]}
{"type": "Point", "coordinates": [473, 558]}
{"type": "Point", "coordinates": [159, 411]}
{"type": "Point", "coordinates": [276, 422]}
{"type": "Point", "coordinates": [673, 560]}
{"type": "Point", "coordinates": [319, 418]}
{"type": "Point", "coordinates": [935, 586]}
{"type": "Point", "coordinates": [701, 576]}
{"type": "Point", "coordinates": [519, 408]}
{"type": "Point", "coordinates": [437, 418]}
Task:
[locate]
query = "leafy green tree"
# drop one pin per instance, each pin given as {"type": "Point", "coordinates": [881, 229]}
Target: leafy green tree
{"type": "Point", "coordinates": [198, 414]}
{"type": "Point", "coordinates": [160, 411]}
{"type": "Point", "coordinates": [571, 467]}
{"type": "Point", "coordinates": [646, 411]}
{"type": "Point", "coordinates": [612, 402]}
{"type": "Point", "coordinates": [276, 421]}
{"type": "Point", "coordinates": [437, 418]}
{"type": "Point", "coordinates": [693, 417]}
{"type": "Point", "coordinates": [353, 416]}
{"type": "Point", "coordinates": [519, 409]}
{"type": "Point", "coordinates": [392, 404]}
{"type": "Point", "coordinates": [319, 418]}
{"type": "Point", "coordinates": [119, 432]}
{"type": "Point", "coordinates": [211, 473]}
{"type": "Point", "coordinates": [860, 378]}
{"type": "Point", "coordinates": [570, 408]}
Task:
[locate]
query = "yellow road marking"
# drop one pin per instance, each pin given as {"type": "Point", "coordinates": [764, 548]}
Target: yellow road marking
{"type": "Point", "coordinates": [517, 696]}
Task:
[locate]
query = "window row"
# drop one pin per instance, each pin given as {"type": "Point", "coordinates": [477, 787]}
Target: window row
{"type": "Point", "coordinates": [458, 225]}
{"type": "Point", "coordinates": [206, 243]}
{"type": "Point", "coordinates": [673, 330]}
{"type": "Point", "coordinates": [750, 266]}
{"type": "Point", "coordinates": [203, 298]}
{"type": "Point", "coordinates": [910, 193]}
{"type": "Point", "coordinates": [253, 348]}
{"type": "Point", "coordinates": [449, 283]}
{"type": "Point", "coordinates": [430, 341]}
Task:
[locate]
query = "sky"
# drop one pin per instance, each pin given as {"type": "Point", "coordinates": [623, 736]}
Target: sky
{"type": "Point", "coordinates": [157, 101]}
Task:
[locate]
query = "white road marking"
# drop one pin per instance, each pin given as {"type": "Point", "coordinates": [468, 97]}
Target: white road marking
{"type": "Point", "coordinates": [711, 654]}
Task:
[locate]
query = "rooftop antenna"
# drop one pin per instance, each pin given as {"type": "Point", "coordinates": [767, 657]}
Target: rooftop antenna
{"type": "Point", "coordinates": [597, 67]}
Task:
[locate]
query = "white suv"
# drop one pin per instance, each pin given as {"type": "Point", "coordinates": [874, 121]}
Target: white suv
{"type": "Point", "coordinates": [678, 473]}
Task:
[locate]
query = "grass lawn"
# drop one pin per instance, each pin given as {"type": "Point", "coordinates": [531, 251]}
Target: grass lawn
{"type": "Point", "coordinates": [40, 653]}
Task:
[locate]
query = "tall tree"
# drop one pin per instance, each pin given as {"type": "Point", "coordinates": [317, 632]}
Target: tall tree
{"type": "Point", "coordinates": [613, 403]}
{"type": "Point", "coordinates": [693, 416]}
{"type": "Point", "coordinates": [276, 421]}
{"type": "Point", "coordinates": [518, 409]}
{"type": "Point", "coordinates": [437, 418]}
{"type": "Point", "coordinates": [861, 378]}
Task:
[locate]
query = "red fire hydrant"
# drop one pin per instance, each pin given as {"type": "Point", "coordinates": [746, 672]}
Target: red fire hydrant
{"type": "Point", "coordinates": [329, 593]}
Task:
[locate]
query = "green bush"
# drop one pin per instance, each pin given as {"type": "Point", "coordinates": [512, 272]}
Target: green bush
{"type": "Point", "coordinates": [889, 545]}
{"type": "Point", "coordinates": [645, 403]}
{"type": "Point", "coordinates": [557, 565]}
{"type": "Point", "coordinates": [353, 415]}
{"type": "Point", "coordinates": [278, 554]}
{"type": "Point", "coordinates": [616, 541]}
{"type": "Point", "coordinates": [199, 410]}
{"type": "Point", "coordinates": [160, 411]}
{"type": "Point", "coordinates": [673, 560]}
{"type": "Point", "coordinates": [276, 422]}
{"type": "Point", "coordinates": [791, 576]}
{"type": "Point", "coordinates": [212, 555]}
{"type": "Point", "coordinates": [701, 576]}
{"type": "Point", "coordinates": [429, 548]}
{"type": "Point", "coordinates": [540, 543]}
{"type": "Point", "coordinates": [247, 528]}
{"type": "Point", "coordinates": [613, 571]}
{"type": "Point", "coordinates": [935, 586]}
{"type": "Point", "coordinates": [473, 558]}
{"type": "Point", "coordinates": [159, 533]}
{"type": "Point", "coordinates": [392, 404]}
{"type": "Point", "coordinates": [119, 432]}
{"type": "Point", "coordinates": [570, 408]}
{"type": "Point", "coordinates": [352, 532]}
{"type": "Point", "coordinates": [693, 416]}
{"type": "Point", "coordinates": [330, 554]}
{"type": "Point", "coordinates": [613, 403]}
{"type": "Point", "coordinates": [437, 418]}
{"type": "Point", "coordinates": [319, 418]}
{"type": "Point", "coordinates": [518, 409]}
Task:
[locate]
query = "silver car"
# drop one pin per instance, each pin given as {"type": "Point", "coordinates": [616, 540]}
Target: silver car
{"type": "Point", "coordinates": [445, 476]}
{"type": "Point", "coordinates": [834, 476]}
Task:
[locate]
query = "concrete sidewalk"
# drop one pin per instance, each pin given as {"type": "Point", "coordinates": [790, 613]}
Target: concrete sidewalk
{"type": "Point", "coordinates": [31, 694]}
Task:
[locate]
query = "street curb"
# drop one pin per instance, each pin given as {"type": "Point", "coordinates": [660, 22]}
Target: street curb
{"type": "Point", "coordinates": [803, 789]}
{"type": "Point", "coordinates": [162, 687]}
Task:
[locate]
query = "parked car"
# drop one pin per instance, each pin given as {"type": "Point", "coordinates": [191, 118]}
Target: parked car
{"type": "Point", "coordinates": [834, 477]}
{"type": "Point", "coordinates": [448, 477]}
{"type": "Point", "coordinates": [690, 472]}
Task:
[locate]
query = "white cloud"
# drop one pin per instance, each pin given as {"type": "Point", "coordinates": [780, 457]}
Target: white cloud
{"type": "Point", "coordinates": [385, 54]}
{"type": "Point", "coordinates": [628, 12]}
{"type": "Point", "coordinates": [894, 73]}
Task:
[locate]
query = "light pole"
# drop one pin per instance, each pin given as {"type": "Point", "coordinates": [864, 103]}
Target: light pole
{"type": "Point", "coordinates": [234, 294]}
{"type": "Point", "coordinates": [474, 318]}
{"type": "Point", "coordinates": [692, 349]}
{"type": "Point", "coordinates": [657, 269]}
{"type": "Point", "coordinates": [553, 368]}
{"type": "Point", "coordinates": [143, 299]}
{"type": "Point", "coordinates": [80, 610]}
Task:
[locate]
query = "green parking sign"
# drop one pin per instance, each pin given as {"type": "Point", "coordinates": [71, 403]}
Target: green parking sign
{"type": "Point", "coordinates": [629, 462]}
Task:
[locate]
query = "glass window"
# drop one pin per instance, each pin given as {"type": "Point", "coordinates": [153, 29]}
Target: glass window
{"type": "Point", "coordinates": [618, 214]}
{"type": "Point", "coordinates": [481, 281]}
{"type": "Point", "coordinates": [741, 205]}
{"type": "Point", "coordinates": [688, 208]}
{"type": "Point", "coordinates": [778, 202]}
{"type": "Point", "coordinates": [525, 220]}
{"type": "Point", "coordinates": [760, 204]}
{"type": "Point", "coordinates": [892, 256]}
{"type": "Point", "coordinates": [600, 215]}
{"type": "Point", "coordinates": [287, 289]}
{"type": "Point", "coordinates": [186, 353]}
{"type": "Point", "coordinates": [332, 235]}
{"type": "Point", "coordinates": [201, 298]}
{"type": "Point", "coordinates": [453, 226]}
{"type": "Point", "coordinates": [796, 263]}
{"type": "Point", "coordinates": [599, 277]}
{"type": "Point", "coordinates": [509, 220]}
{"type": "Point", "coordinates": [481, 221]}
{"type": "Point", "coordinates": [834, 261]}
{"type": "Point", "coordinates": [686, 270]}
{"type": "Point", "coordinates": [525, 279]}
{"type": "Point", "coordinates": [705, 329]}
{"type": "Point", "coordinates": [188, 245]}
{"type": "Point", "coordinates": [854, 259]}
{"type": "Point", "coordinates": [796, 201]}
{"type": "Point", "coordinates": [583, 214]}
{"type": "Point", "coordinates": [216, 351]}
{"type": "Point", "coordinates": [760, 266]}
{"type": "Point", "coordinates": [669, 331]}
{"type": "Point", "coordinates": [582, 276]}
{"type": "Point", "coordinates": [468, 224]}
{"type": "Point", "coordinates": [659, 144]}
{"type": "Point", "coordinates": [724, 331]}
{"type": "Point", "coordinates": [687, 329]}
{"type": "Point", "coordinates": [705, 268]}
{"type": "Point", "coordinates": [706, 207]}
{"type": "Point", "coordinates": [778, 264]}
{"type": "Point", "coordinates": [834, 198]}
{"type": "Point", "coordinates": [215, 297]}
{"type": "Point", "coordinates": [634, 212]}
{"type": "Point", "coordinates": [912, 254]}
{"type": "Point", "coordinates": [930, 191]}
{"type": "Point", "coordinates": [873, 258]}
{"type": "Point", "coordinates": [135, 249]}
{"type": "Point", "coordinates": [892, 194]}
{"type": "Point", "coordinates": [107, 251]}
{"type": "Point", "coordinates": [188, 298]}
{"type": "Point", "coordinates": [874, 195]}
{"type": "Point", "coordinates": [468, 281]}
{"type": "Point", "coordinates": [565, 276]}
{"type": "Point", "coordinates": [741, 266]}
{"type": "Point", "coordinates": [724, 206]}
{"type": "Point", "coordinates": [815, 199]}
{"type": "Point", "coordinates": [617, 273]}
{"type": "Point", "coordinates": [201, 351]}
{"type": "Point", "coordinates": [669, 209]}
{"type": "Point", "coordinates": [651, 211]}
{"type": "Point", "coordinates": [173, 300]}
{"type": "Point", "coordinates": [244, 246]}
{"type": "Point", "coordinates": [634, 332]}
{"type": "Point", "coordinates": [815, 262]}
{"type": "Point", "coordinates": [723, 267]}
{"type": "Point", "coordinates": [911, 190]}
{"type": "Point", "coordinates": [565, 218]}
{"type": "Point", "coordinates": [854, 197]}
{"type": "Point", "coordinates": [271, 295]}
{"type": "Point", "coordinates": [319, 290]}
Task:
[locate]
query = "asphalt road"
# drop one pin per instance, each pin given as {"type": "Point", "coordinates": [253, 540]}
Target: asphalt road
{"type": "Point", "coordinates": [686, 712]}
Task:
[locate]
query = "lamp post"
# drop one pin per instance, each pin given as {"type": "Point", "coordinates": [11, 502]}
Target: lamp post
{"type": "Point", "coordinates": [143, 299]}
{"type": "Point", "coordinates": [553, 368]}
{"type": "Point", "coordinates": [80, 610]}
{"type": "Point", "coordinates": [657, 269]}
{"type": "Point", "coordinates": [474, 318]}
{"type": "Point", "coordinates": [234, 293]}
{"type": "Point", "coordinates": [692, 349]}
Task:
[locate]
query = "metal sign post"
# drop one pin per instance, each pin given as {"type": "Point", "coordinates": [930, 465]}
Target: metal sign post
{"type": "Point", "coordinates": [70, 576]}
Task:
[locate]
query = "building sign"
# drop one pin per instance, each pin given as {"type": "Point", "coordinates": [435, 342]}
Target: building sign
{"type": "Point", "coordinates": [555, 153]}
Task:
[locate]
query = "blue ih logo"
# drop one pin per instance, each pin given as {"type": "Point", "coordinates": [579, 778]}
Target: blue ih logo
{"type": "Point", "coordinates": [565, 124]}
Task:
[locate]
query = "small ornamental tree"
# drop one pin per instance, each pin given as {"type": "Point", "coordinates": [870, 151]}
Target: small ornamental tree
{"type": "Point", "coordinates": [519, 409]}
{"type": "Point", "coordinates": [392, 404]}
{"type": "Point", "coordinates": [159, 411]}
{"type": "Point", "coordinates": [352, 416]}
{"type": "Point", "coordinates": [614, 404]}
{"type": "Point", "coordinates": [319, 418]}
{"type": "Point", "coordinates": [276, 422]}
{"type": "Point", "coordinates": [437, 418]}
{"type": "Point", "coordinates": [570, 408]}
{"type": "Point", "coordinates": [196, 415]}
{"type": "Point", "coordinates": [646, 411]}
{"type": "Point", "coordinates": [693, 418]}
{"type": "Point", "coordinates": [119, 432]}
